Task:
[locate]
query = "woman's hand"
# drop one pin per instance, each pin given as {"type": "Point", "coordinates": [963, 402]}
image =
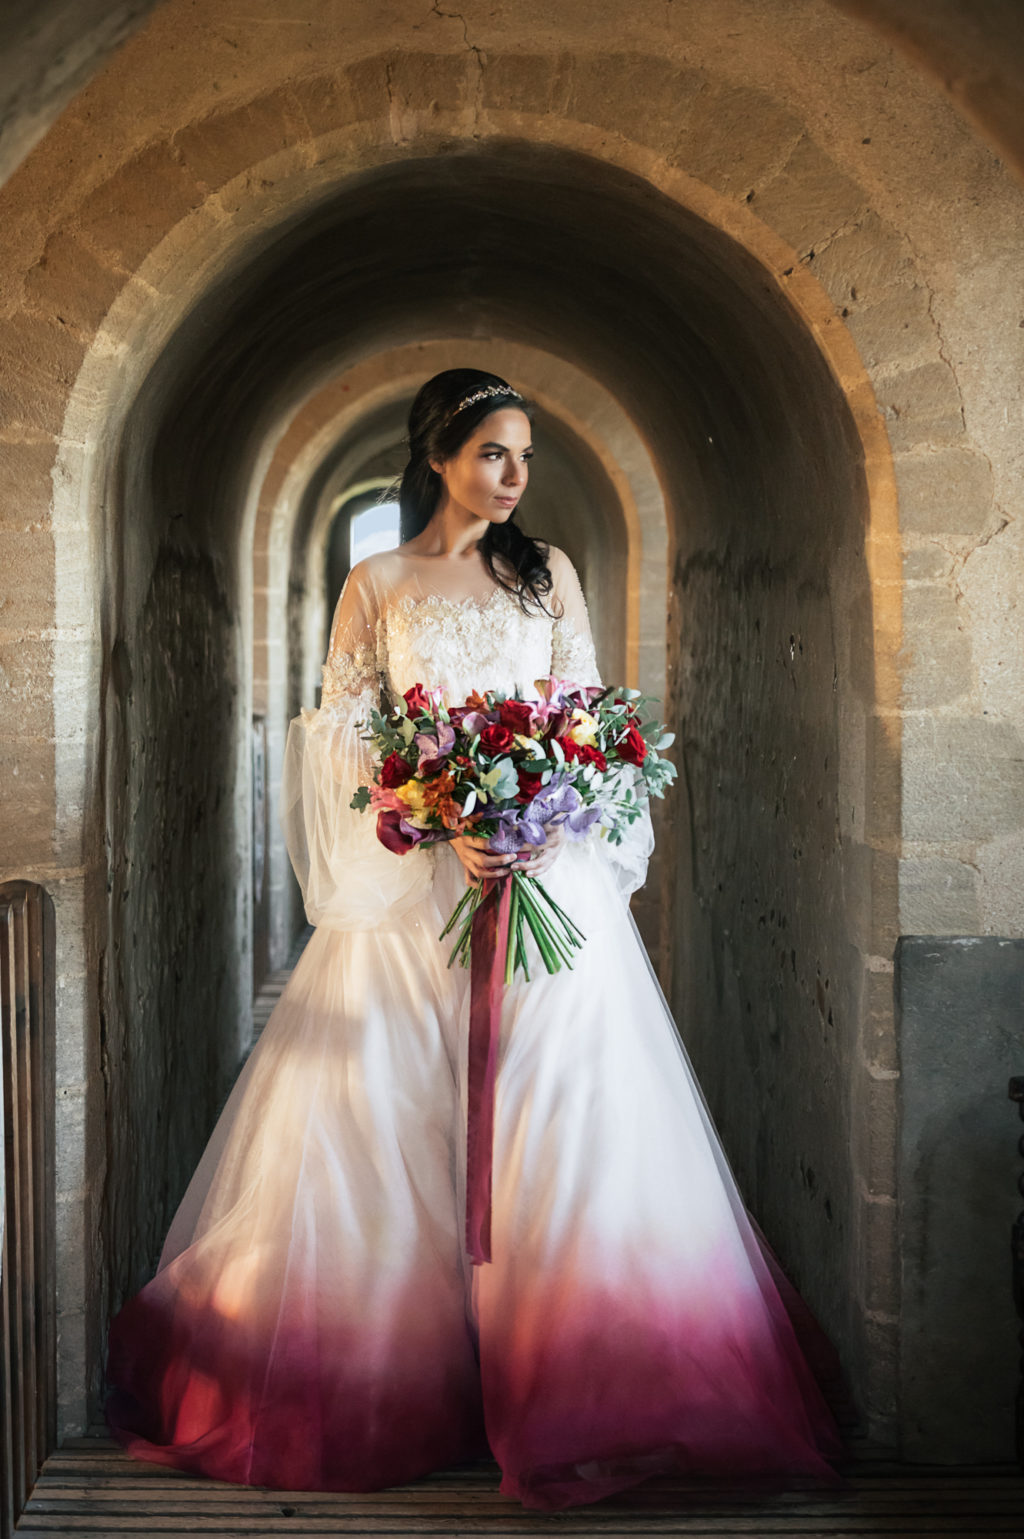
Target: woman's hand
{"type": "Point", "coordinates": [480, 863]}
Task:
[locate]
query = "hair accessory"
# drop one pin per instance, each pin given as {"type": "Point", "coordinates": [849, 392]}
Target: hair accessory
{"type": "Point", "coordinates": [481, 395]}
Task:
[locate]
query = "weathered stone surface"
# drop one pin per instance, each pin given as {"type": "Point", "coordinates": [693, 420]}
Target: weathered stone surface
{"type": "Point", "coordinates": [936, 652]}
{"type": "Point", "coordinates": [880, 1255]}
{"type": "Point", "coordinates": [921, 405]}
{"type": "Point", "coordinates": [70, 282]}
{"type": "Point", "coordinates": [224, 145]}
{"type": "Point", "coordinates": [659, 93]}
{"type": "Point", "coordinates": [878, 1035]}
{"type": "Point", "coordinates": [938, 897]}
{"type": "Point", "coordinates": [26, 678]}
{"type": "Point", "coordinates": [25, 482]}
{"type": "Point", "coordinates": [896, 329]}
{"type": "Point", "coordinates": [26, 561]}
{"type": "Point", "coordinates": [944, 491]}
{"type": "Point", "coordinates": [126, 216]}
{"type": "Point", "coordinates": [735, 138]}
{"type": "Point", "coordinates": [963, 778]}
{"type": "Point", "coordinates": [875, 1141]}
{"type": "Point", "coordinates": [38, 361]}
{"type": "Point", "coordinates": [864, 263]}
{"type": "Point", "coordinates": [926, 563]}
{"type": "Point", "coordinates": [525, 82]}
{"type": "Point", "coordinates": [811, 198]}
{"type": "Point", "coordinates": [959, 1006]}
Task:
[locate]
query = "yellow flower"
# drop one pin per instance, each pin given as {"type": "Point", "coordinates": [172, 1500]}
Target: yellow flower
{"type": "Point", "coordinates": [412, 794]}
{"type": "Point", "coordinates": [584, 729]}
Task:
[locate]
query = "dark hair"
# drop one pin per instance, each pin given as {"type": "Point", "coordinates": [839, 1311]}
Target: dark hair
{"type": "Point", "coordinates": [436, 432]}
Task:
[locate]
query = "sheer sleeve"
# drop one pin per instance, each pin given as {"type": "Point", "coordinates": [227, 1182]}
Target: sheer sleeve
{"type": "Point", "coordinates": [573, 659]}
{"type": "Point", "coordinates": [349, 880]}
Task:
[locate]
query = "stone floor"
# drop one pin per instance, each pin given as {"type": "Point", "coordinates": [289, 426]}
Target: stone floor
{"type": "Point", "coordinates": [91, 1487]}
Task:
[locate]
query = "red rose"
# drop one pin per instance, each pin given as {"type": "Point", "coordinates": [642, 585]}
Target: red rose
{"type": "Point", "coordinates": [394, 772]}
{"type": "Point", "coordinates": [586, 753]}
{"type": "Point", "coordinates": [417, 700]}
{"type": "Point", "coordinates": [496, 739]}
{"type": "Point", "coordinates": [529, 785]}
{"type": "Point", "coordinates": [517, 715]}
{"type": "Point", "coordinates": [631, 746]}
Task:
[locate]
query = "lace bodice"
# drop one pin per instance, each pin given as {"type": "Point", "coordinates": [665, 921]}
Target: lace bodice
{"type": "Point", "coordinates": [404, 621]}
{"type": "Point", "coordinates": [407, 636]}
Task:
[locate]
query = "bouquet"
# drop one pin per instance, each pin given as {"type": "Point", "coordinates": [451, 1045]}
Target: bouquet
{"type": "Point", "coordinates": [513, 770]}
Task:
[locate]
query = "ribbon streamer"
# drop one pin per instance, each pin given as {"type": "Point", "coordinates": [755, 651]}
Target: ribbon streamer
{"type": "Point", "coordinates": [486, 991]}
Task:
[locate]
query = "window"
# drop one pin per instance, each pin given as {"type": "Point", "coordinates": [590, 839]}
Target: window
{"type": "Point", "coordinates": [372, 531]}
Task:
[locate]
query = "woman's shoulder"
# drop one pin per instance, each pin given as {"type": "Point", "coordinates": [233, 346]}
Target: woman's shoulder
{"type": "Point", "coordinates": [564, 577]}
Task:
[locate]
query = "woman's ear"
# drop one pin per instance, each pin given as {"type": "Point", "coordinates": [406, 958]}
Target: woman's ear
{"type": "Point", "coordinates": [436, 466]}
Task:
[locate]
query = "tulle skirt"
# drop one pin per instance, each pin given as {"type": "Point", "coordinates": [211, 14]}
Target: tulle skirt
{"type": "Point", "coordinates": [315, 1323]}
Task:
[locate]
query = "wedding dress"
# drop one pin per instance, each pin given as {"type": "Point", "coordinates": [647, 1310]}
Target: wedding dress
{"type": "Point", "coordinates": [315, 1322]}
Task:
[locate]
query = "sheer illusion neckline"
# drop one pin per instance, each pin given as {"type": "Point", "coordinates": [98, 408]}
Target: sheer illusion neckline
{"type": "Point", "coordinates": [410, 601]}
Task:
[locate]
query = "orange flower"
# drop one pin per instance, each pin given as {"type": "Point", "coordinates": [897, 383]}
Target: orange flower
{"type": "Point", "coordinates": [476, 702]}
{"type": "Point", "coordinates": [437, 797]}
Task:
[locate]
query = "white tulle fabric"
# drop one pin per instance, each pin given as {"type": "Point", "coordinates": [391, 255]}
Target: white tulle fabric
{"type": "Point", "coordinates": [315, 1322]}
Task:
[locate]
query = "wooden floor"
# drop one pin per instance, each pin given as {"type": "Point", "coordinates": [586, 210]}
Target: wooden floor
{"type": "Point", "coordinates": [91, 1487]}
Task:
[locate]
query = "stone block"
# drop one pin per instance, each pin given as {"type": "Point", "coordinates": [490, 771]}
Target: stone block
{"type": "Point", "coordinates": [878, 1046]}
{"type": "Point", "coordinates": [944, 491]}
{"type": "Point", "coordinates": [959, 1003]}
{"type": "Point", "coordinates": [1000, 865]}
{"type": "Point", "coordinates": [653, 95]}
{"type": "Point", "coordinates": [877, 1111]}
{"type": "Point", "coordinates": [131, 212]}
{"type": "Point", "coordinates": [26, 485]}
{"type": "Point", "coordinates": [26, 677]}
{"type": "Point", "coordinates": [921, 406]}
{"type": "Point", "coordinates": [883, 777]}
{"type": "Point", "coordinates": [938, 897]}
{"type": "Point", "coordinates": [963, 778]}
{"type": "Point", "coordinates": [879, 1256]}
{"type": "Point", "coordinates": [863, 264]}
{"type": "Point", "coordinates": [936, 652]}
{"type": "Point", "coordinates": [532, 83]}
{"type": "Point", "coordinates": [27, 591]}
{"type": "Point", "coordinates": [72, 1250]}
{"type": "Point", "coordinates": [39, 362]}
{"type": "Point", "coordinates": [224, 145]}
{"type": "Point", "coordinates": [896, 329]}
{"type": "Point", "coordinates": [71, 1156]}
{"type": "Point", "coordinates": [926, 563]}
{"type": "Point", "coordinates": [69, 282]}
{"type": "Point", "coordinates": [72, 1373]}
{"type": "Point", "coordinates": [735, 138]}
{"type": "Point", "coordinates": [810, 198]}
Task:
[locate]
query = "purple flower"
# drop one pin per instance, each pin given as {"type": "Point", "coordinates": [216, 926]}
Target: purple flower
{"type": "Point", "coordinates": [434, 746]}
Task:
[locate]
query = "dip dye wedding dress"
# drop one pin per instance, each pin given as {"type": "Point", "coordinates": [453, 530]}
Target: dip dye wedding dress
{"type": "Point", "coordinates": [315, 1323]}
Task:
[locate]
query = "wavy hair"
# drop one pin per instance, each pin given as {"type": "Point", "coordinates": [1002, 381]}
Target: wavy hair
{"type": "Point", "coordinates": [437, 432]}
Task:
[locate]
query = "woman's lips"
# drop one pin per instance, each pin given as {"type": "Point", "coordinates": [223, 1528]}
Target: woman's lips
{"type": "Point", "coordinates": [507, 502]}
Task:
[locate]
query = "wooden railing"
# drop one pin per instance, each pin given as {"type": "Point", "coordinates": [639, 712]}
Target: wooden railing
{"type": "Point", "coordinates": [28, 1388]}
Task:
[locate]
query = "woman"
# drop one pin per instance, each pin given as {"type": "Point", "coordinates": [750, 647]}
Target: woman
{"type": "Point", "coordinates": [316, 1322]}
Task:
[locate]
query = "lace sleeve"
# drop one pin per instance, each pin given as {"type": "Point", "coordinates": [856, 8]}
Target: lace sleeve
{"type": "Point", "coordinates": [572, 645]}
{"type": "Point", "coordinates": [349, 880]}
{"type": "Point", "coordinates": [573, 659]}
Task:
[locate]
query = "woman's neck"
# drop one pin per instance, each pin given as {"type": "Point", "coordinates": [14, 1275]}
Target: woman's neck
{"type": "Point", "coordinates": [452, 534]}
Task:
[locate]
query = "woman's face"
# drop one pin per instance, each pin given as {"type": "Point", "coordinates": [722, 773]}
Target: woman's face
{"type": "Point", "coordinates": [488, 474]}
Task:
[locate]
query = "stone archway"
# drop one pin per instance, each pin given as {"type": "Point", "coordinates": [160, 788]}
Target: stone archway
{"type": "Point", "coordinates": [129, 227]}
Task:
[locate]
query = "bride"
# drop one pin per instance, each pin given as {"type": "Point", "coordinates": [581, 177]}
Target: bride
{"type": "Point", "coordinates": [315, 1322]}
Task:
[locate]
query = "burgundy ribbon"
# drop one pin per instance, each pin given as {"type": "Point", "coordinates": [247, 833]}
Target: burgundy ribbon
{"type": "Point", "coordinates": [488, 947]}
